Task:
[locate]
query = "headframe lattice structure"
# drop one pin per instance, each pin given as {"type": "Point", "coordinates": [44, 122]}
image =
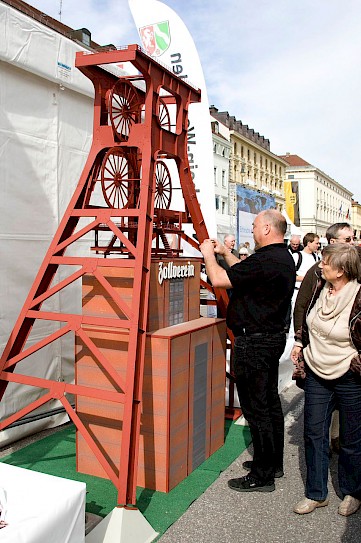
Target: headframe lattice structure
{"type": "Point", "coordinates": [124, 191]}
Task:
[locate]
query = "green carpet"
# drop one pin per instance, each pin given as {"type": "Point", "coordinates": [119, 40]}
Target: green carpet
{"type": "Point", "coordinates": [55, 455]}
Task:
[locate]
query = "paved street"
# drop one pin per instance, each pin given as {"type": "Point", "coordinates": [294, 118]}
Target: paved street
{"type": "Point", "coordinates": [221, 515]}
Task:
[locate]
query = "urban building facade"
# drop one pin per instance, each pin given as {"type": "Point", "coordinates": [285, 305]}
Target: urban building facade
{"type": "Point", "coordinates": [252, 164]}
{"type": "Point", "coordinates": [223, 192]}
{"type": "Point", "coordinates": [322, 201]}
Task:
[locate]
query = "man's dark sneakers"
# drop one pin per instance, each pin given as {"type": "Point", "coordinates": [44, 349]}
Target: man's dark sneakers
{"type": "Point", "coordinates": [249, 484]}
{"type": "Point", "coordinates": [248, 466]}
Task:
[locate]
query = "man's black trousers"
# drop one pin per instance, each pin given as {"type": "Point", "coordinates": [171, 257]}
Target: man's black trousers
{"type": "Point", "coordinates": [255, 364]}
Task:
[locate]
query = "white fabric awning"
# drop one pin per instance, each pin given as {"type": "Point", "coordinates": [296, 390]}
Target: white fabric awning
{"type": "Point", "coordinates": [292, 228]}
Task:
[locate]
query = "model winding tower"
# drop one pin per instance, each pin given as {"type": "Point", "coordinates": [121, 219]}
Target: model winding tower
{"type": "Point", "coordinates": [124, 202]}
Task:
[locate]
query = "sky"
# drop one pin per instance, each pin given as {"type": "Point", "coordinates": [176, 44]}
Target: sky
{"type": "Point", "coordinates": [290, 69]}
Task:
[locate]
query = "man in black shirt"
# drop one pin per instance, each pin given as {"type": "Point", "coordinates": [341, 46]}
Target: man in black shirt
{"type": "Point", "coordinates": [262, 291]}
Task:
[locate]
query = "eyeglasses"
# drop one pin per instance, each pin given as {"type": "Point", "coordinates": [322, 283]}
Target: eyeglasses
{"type": "Point", "coordinates": [345, 240]}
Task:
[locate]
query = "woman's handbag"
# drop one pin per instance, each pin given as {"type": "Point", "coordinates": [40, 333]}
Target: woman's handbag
{"type": "Point", "coordinates": [299, 372]}
{"type": "Point", "coordinates": [355, 365]}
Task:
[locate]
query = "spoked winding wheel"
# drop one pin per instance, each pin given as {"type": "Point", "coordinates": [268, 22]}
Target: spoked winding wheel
{"type": "Point", "coordinates": [124, 108]}
{"type": "Point", "coordinates": [119, 178]}
{"type": "Point", "coordinates": [163, 115]}
{"type": "Point", "coordinates": [163, 186]}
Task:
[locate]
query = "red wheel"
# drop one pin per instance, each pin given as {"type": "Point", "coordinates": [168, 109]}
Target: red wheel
{"type": "Point", "coordinates": [163, 115]}
{"type": "Point", "coordinates": [124, 107]}
{"type": "Point", "coordinates": [163, 186]}
{"type": "Point", "coordinates": [119, 178]}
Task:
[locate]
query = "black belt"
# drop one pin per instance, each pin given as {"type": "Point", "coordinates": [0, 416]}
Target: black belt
{"type": "Point", "coordinates": [244, 333]}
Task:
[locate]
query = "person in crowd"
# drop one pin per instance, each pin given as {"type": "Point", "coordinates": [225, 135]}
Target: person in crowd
{"type": "Point", "coordinates": [328, 345]}
{"type": "Point", "coordinates": [229, 242]}
{"type": "Point", "coordinates": [295, 245]}
{"type": "Point", "coordinates": [262, 289]}
{"type": "Point", "coordinates": [306, 258]}
{"type": "Point", "coordinates": [243, 253]}
{"type": "Point", "coordinates": [337, 233]}
{"type": "Point", "coordinates": [248, 247]}
{"type": "Point", "coordinates": [211, 309]}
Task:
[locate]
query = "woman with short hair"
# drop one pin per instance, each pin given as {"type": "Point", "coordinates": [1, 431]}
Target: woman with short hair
{"type": "Point", "coordinates": [329, 345]}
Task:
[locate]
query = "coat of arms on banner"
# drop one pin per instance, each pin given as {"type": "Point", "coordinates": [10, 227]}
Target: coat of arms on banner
{"type": "Point", "coordinates": [155, 38]}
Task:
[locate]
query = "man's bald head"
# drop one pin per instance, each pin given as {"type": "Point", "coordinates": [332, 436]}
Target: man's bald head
{"type": "Point", "coordinates": [269, 227]}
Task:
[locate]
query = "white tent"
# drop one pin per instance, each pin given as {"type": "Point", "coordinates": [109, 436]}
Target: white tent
{"type": "Point", "coordinates": [292, 229]}
{"type": "Point", "coordinates": [45, 134]}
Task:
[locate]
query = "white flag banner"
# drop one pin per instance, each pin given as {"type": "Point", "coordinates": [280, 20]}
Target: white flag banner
{"type": "Point", "coordinates": [165, 37]}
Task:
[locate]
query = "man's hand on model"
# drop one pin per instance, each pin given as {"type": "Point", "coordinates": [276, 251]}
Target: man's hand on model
{"type": "Point", "coordinates": [211, 246]}
{"type": "Point", "coordinates": [217, 275]}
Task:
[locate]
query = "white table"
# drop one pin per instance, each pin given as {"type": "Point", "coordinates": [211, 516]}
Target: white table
{"type": "Point", "coordinates": [42, 508]}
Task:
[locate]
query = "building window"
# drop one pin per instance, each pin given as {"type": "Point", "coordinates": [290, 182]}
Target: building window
{"type": "Point", "coordinates": [215, 176]}
{"type": "Point", "coordinates": [223, 208]}
{"type": "Point", "coordinates": [291, 176]}
{"type": "Point", "coordinates": [223, 178]}
{"type": "Point", "coordinates": [217, 203]}
{"type": "Point", "coordinates": [255, 157]}
{"type": "Point", "coordinates": [235, 148]}
{"type": "Point", "coordinates": [242, 151]}
{"type": "Point", "coordinates": [248, 154]}
{"type": "Point", "coordinates": [214, 148]}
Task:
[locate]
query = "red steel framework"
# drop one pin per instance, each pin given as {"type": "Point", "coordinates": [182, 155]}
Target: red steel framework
{"type": "Point", "coordinates": [140, 121]}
